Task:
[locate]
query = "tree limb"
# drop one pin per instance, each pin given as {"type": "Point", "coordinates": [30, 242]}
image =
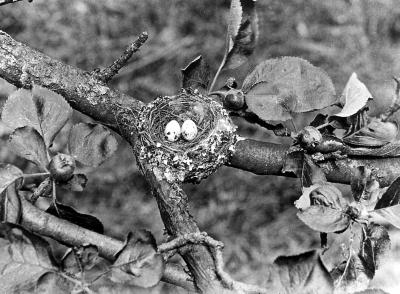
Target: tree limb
{"type": "Point", "coordinates": [106, 74]}
{"type": "Point", "coordinates": [5, 2]}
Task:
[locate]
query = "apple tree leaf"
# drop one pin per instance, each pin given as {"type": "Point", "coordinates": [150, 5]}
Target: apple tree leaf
{"type": "Point", "coordinates": [279, 87]}
{"type": "Point", "coordinates": [29, 144]}
{"type": "Point", "coordinates": [91, 144]}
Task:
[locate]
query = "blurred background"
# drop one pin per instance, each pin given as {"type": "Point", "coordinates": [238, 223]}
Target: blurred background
{"type": "Point", "coordinates": [253, 215]}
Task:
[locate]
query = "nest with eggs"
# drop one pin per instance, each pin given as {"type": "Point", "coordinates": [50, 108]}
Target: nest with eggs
{"type": "Point", "coordinates": [186, 160]}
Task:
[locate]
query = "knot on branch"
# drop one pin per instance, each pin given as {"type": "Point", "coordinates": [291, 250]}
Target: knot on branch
{"type": "Point", "coordinates": [186, 160]}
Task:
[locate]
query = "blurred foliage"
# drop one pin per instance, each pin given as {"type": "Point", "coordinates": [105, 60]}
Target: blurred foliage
{"type": "Point", "coordinates": [251, 214]}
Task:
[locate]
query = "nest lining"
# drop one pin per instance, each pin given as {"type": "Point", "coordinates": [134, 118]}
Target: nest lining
{"type": "Point", "coordinates": [186, 160]}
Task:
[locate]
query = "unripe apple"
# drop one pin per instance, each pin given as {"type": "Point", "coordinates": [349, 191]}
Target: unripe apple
{"type": "Point", "coordinates": [62, 167]}
{"type": "Point", "coordinates": [234, 100]}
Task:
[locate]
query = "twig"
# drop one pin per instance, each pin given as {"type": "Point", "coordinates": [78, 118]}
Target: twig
{"type": "Point", "coordinates": [5, 2]}
{"type": "Point", "coordinates": [395, 104]}
{"type": "Point", "coordinates": [216, 248]}
{"type": "Point", "coordinates": [191, 238]}
{"type": "Point", "coordinates": [43, 190]}
{"type": "Point", "coordinates": [106, 74]}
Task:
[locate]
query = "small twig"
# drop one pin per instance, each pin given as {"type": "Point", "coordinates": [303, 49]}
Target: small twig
{"type": "Point", "coordinates": [43, 190]}
{"type": "Point", "coordinates": [191, 238]}
{"type": "Point", "coordinates": [36, 175]}
{"type": "Point", "coordinates": [221, 66]}
{"type": "Point", "coordinates": [216, 248]}
{"type": "Point", "coordinates": [395, 104]}
{"type": "Point", "coordinates": [106, 74]}
{"type": "Point", "coordinates": [5, 2]}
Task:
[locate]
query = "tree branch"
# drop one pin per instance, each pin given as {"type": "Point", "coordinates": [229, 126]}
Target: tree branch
{"type": "Point", "coordinates": [264, 158]}
{"type": "Point", "coordinates": [5, 2]}
{"type": "Point", "coordinates": [22, 66]}
{"type": "Point", "coordinates": [106, 74]}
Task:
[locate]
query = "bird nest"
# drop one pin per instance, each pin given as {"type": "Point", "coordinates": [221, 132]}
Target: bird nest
{"type": "Point", "coordinates": [186, 161]}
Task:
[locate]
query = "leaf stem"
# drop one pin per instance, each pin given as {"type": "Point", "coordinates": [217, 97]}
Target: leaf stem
{"type": "Point", "coordinates": [35, 175]}
{"type": "Point", "coordinates": [217, 75]}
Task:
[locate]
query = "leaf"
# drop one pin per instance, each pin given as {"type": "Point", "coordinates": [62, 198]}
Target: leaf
{"type": "Point", "coordinates": [10, 205]}
{"type": "Point", "coordinates": [53, 283]}
{"type": "Point", "coordinates": [375, 244]}
{"type": "Point", "coordinates": [41, 109]}
{"type": "Point", "coordinates": [20, 111]}
{"type": "Point", "coordinates": [303, 273]}
{"type": "Point", "coordinates": [391, 196]}
{"type": "Point", "coordinates": [354, 97]}
{"type": "Point", "coordinates": [391, 214]}
{"type": "Point", "coordinates": [376, 134]}
{"type": "Point", "coordinates": [8, 174]}
{"type": "Point", "coordinates": [364, 186]}
{"type": "Point", "coordinates": [91, 144]}
{"type": "Point", "coordinates": [77, 183]}
{"type": "Point", "coordinates": [52, 110]}
{"type": "Point", "coordinates": [388, 150]}
{"type": "Point", "coordinates": [28, 143]}
{"type": "Point", "coordinates": [84, 220]}
{"type": "Point", "coordinates": [24, 257]}
{"type": "Point", "coordinates": [278, 87]}
{"type": "Point", "coordinates": [350, 275]}
{"type": "Point", "coordinates": [138, 263]}
{"type": "Point", "coordinates": [388, 206]}
{"type": "Point", "coordinates": [196, 75]}
{"type": "Point", "coordinates": [242, 33]}
{"type": "Point", "coordinates": [83, 258]}
{"type": "Point", "coordinates": [324, 219]}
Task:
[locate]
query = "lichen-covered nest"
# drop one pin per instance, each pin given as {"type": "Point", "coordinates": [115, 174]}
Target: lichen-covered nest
{"type": "Point", "coordinates": [182, 160]}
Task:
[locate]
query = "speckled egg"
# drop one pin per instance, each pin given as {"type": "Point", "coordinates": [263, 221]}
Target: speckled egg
{"type": "Point", "coordinates": [189, 130]}
{"type": "Point", "coordinates": [172, 131]}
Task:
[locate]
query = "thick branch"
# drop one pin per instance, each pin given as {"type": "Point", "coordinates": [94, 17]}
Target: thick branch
{"type": "Point", "coordinates": [264, 158]}
{"type": "Point", "coordinates": [61, 230]}
{"type": "Point", "coordinates": [22, 66]}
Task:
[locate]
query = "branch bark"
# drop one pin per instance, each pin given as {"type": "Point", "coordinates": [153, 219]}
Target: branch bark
{"type": "Point", "coordinates": [23, 66]}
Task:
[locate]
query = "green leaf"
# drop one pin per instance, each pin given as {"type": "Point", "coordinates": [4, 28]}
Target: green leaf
{"type": "Point", "coordinates": [10, 205]}
{"type": "Point", "coordinates": [364, 186]}
{"type": "Point", "coordinates": [278, 87]}
{"type": "Point", "coordinates": [300, 274]}
{"type": "Point", "coordinates": [350, 275]}
{"type": "Point", "coordinates": [391, 196]}
{"type": "Point", "coordinates": [77, 183]}
{"type": "Point", "coordinates": [196, 75]}
{"type": "Point", "coordinates": [388, 206]}
{"type": "Point", "coordinates": [83, 258]}
{"type": "Point", "coordinates": [91, 144]}
{"type": "Point", "coordinates": [29, 144]}
{"type": "Point", "coordinates": [242, 33]}
{"type": "Point", "coordinates": [375, 244]}
{"type": "Point", "coordinates": [20, 110]}
{"type": "Point", "coordinates": [53, 283]}
{"type": "Point", "coordinates": [41, 109]}
{"type": "Point", "coordinates": [24, 258]}
{"type": "Point", "coordinates": [84, 220]}
{"type": "Point", "coordinates": [138, 263]}
{"type": "Point", "coordinates": [8, 174]}
{"type": "Point", "coordinates": [324, 219]}
{"type": "Point", "coordinates": [354, 97]}
{"type": "Point", "coordinates": [375, 134]}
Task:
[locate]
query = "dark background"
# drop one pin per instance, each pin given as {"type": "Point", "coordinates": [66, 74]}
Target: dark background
{"type": "Point", "coordinates": [253, 215]}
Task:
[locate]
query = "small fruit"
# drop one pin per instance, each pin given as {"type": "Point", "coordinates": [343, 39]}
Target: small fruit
{"type": "Point", "coordinates": [172, 131]}
{"type": "Point", "coordinates": [310, 136]}
{"type": "Point", "coordinates": [62, 167]}
{"type": "Point", "coordinates": [189, 130]}
{"type": "Point", "coordinates": [234, 99]}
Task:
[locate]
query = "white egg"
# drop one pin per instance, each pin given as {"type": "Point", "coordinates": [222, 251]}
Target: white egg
{"type": "Point", "coordinates": [172, 131]}
{"type": "Point", "coordinates": [189, 130]}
